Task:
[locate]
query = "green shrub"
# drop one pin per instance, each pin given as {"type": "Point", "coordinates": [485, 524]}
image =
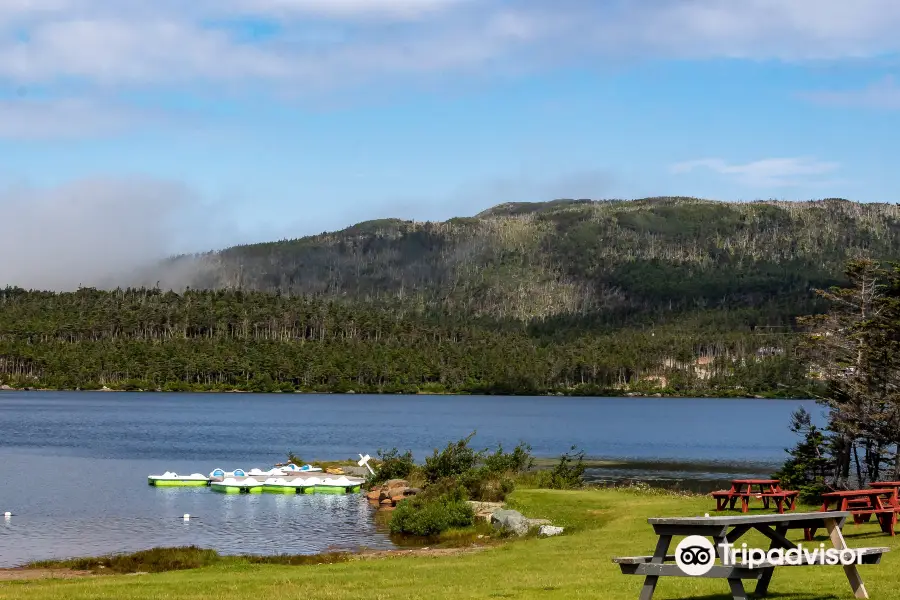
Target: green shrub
{"type": "Point", "coordinates": [392, 465]}
{"type": "Point", "coordinates": [453, 461]}
{"type": "Point", "coordinates": [486, 485]}
{"type": "Point", "coordinates": [428, 517]}
{"type": "Point", "coordinates": [517, 461]}
{"type": "Point", "coordinates": [567, 474]}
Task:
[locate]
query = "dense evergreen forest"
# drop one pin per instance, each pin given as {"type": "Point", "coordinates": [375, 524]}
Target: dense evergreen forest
{"type": "Point", "coordinates": [664, 295]}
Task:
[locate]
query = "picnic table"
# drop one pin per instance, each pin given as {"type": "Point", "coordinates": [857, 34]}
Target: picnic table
{"type": "Point", "coordinates": [766, 489]}
{"type": "Point", "coordinates": [728, 530]}
{"type": "Point", "coordinates": [894, 486]}
{"type": "Point", "coordinates": [862, 504]}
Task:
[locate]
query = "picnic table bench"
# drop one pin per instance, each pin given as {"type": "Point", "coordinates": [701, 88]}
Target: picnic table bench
{"type": "Point", "coordinates": [766, 489]}
{"type": "Point", "coordinates": [728, 530]}
{"type": "Point", "coordinates": [862, 505]}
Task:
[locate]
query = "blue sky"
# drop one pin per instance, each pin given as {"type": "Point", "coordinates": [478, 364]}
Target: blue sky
{"type": "Point", "coordinates": [185, 126]}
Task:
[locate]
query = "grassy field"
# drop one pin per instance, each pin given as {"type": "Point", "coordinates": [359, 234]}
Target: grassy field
{"type": "Point", "coordinates": [601, 524]}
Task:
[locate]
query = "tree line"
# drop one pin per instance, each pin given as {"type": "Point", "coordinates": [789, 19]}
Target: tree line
{"type": "Point", "coordinates": [147, 338]}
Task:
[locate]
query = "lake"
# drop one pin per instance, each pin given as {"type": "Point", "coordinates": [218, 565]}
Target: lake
{"type": "Point", "coordinates": [73, 465]}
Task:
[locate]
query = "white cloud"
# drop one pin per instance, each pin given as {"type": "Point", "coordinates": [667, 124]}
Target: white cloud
{"type": "Point", "coordinates": [385, 9]}
{"type": "Point", "coordinates": [66, 118]}
{"type": "Point", "coordinates": [307, 47]}
{"type": "Point", "coordinates": [168, 41]}
{"type": "Point", "coordinates": [883, 94]}
{"type": "Point", "coordinates": [768, 172]}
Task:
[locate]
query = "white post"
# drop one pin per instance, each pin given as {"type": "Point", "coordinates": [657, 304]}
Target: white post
{"type": "Point", "coordinates": [364, 462]}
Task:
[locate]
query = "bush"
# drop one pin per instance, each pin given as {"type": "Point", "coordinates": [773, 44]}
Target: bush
{"type": "Point", "coordinates": [486, 485]}
{"type": "Point", "coordinates": [428, 517]}
{"type": "Point", "coordinates": [567, 474]}
{"type": "Point", "coordinates": [517, 461]}
{"type": "Point", "coordinates": [453, 461]}
{"type": "Point", "coordinates": [392, 465]}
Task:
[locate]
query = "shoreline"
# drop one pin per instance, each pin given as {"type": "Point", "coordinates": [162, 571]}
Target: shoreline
{"type": "Point", "coordinates": [28, 573]}
{"type": "Point", "coordinates": [557, 394]}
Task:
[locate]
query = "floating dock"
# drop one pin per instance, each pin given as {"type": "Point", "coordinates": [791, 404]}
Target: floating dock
{"type": "Point", "coordinates": [297, 480]}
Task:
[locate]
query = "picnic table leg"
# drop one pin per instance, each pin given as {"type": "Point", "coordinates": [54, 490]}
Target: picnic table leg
{"type": "Point", "coordinates": [659, 557]}
{"type": "Point", "coordinates": [762, 587]}
{"type": "Point", "coordinates": [853, 576]}
{"type": "Point", "coordinates": [745, 503]}
{"type": "Point", "coordinates": [736, 585]}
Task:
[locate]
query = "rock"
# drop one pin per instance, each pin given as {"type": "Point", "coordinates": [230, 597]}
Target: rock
{"type": "Point", "coordinates": [510, 520]}
{"type": "Point", "coordinates": [394, 487]}
{"type": "Point", "coordinates": [374, 495]}
{"type": "Point", "coordinates": [5, 388]}
{"type": "Point", "coordinates": [549, 530]}
{"type": "Point", "coordinates": [484, 510]}
{"type": "Point", "coordinates": [386, 501]}
{"type": "Point", "coordinates": [537, 522]}
{"type": "Point", "coordinates": [397, 499]}
{"type": "Point", "coordinates": [411, 491]}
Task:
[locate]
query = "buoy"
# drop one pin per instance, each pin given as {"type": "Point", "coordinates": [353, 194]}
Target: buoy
{"type": "Point", "coordinates": [7, 514]}
{"type": "Point", "coordinates": [187, 517]}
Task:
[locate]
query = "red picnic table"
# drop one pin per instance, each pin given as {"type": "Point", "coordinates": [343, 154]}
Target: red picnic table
{"type": "Point", "coordinates": [766, 489]}
{"type": "Point", "coordinates": [862, 504]}
{"type": "Point", "coordinates": [894, 486]}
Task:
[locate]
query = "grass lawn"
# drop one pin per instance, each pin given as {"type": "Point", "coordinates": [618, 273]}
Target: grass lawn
{"type": "Point", "coordinates": [603, 524]}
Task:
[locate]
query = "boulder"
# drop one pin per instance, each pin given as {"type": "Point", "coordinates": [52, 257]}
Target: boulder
{"type": "Point", "coordinates": [510, 520]}
{"type": "Point", "coordinates": [374, 495]}
{"type": "Point", "coordinates": [537, 522]}
{"type": "Point", "coordinates": [484, 510]}
{"type": "Point", "coordinates": [411, 491]}
{"type": "Point", "coordinates": [393, 492]}
{"type": "Point", "coordinates": [549, 530]}
{"type": "Point", "coordinates": [5, 388]}
{"type": "Point", "coordinates": [396, 499]}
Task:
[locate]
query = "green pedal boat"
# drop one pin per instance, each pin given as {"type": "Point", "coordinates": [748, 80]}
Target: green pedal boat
{"type": "Point", "coordinates": [230, 485]}
{"type": "Point", "coordinates": [169, 479]}
{"type": "Point", "coordinates": [338, 485]}
{"type": "Point", "coordinates": [280, 485]}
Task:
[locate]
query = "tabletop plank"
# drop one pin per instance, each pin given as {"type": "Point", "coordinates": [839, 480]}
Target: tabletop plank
{"type": "Point", "coordinates": [749, 519]}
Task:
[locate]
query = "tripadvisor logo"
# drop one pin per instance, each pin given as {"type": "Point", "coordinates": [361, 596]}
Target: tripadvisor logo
{"type": "Point", "coordinates": [696, 556]}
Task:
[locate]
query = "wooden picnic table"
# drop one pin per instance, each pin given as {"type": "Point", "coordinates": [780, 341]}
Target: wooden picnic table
{"type": "Point", "coordinates": [728, 530]}
{"type": "Point", "coordinates": [862, 504]}
{"type": "Point", "coordinates": [890, 485]}
{"type": "Point", "coordinates": [766, 489]}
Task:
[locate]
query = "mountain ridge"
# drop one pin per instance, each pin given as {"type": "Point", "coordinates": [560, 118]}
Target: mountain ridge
{"type": "Point", "coordinates": [544, 260]}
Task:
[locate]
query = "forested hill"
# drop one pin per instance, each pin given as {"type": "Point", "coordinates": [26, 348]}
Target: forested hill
{"type": "Point", "coordinates": [664, 295]}
{"type": "Point", "coordinates": [606, 260]}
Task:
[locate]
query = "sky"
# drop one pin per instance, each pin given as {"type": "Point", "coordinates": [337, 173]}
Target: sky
{"type": "Point", "coordinates": [142, 127]}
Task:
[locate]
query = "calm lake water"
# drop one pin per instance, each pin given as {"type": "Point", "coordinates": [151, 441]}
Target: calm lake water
{"type": "Point", "coordinates": [73, 466]}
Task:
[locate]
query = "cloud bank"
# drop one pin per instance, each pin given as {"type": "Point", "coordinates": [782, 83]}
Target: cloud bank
{"type": "Point", "coordinates": [302, 44]}
{"type": "Point", "coordinates": [101, 232]}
